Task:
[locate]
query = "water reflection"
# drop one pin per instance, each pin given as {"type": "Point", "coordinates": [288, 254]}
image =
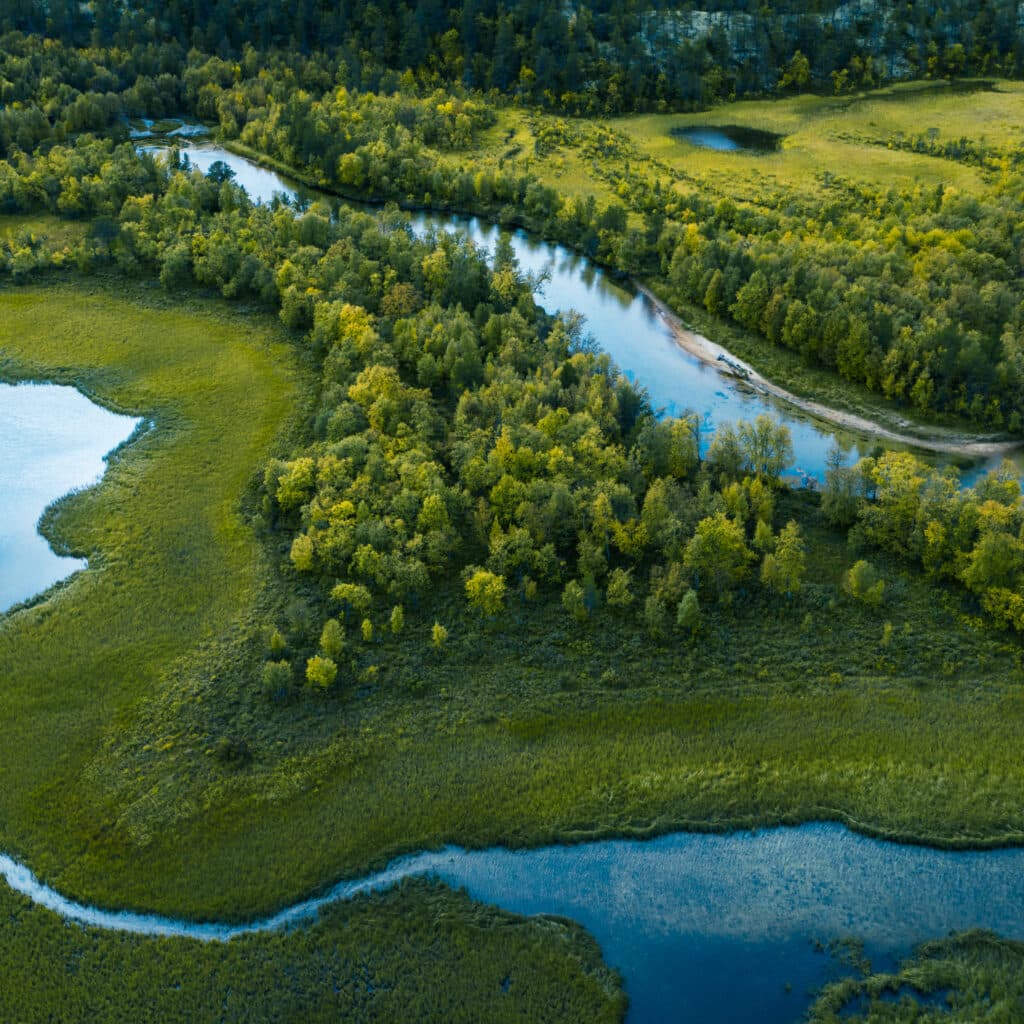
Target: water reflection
{"type": "Point", "coordinates": [54, 440]}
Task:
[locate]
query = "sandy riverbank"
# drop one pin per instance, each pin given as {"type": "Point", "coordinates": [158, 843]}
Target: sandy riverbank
{"type": "Point", "coordinates": [938, 440]}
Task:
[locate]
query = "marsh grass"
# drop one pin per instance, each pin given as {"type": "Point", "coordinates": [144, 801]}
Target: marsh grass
{"type": "Point", "coordinates": [418, 952]}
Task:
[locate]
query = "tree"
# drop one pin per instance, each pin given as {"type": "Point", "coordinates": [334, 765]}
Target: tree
{"type": "Point", "coordinates": [717, 555]}
{"type": "Point", "coordinates": [321, 672]}
{"type": "Point", "coordinates": [573, 601]}
{"type": "Point", "coordinates": [843, 491]}
{"type": "Point", "coordinates": [302, 553]}
{"type": "Point", "coordinates": [863, 583]}
{"type": "Point", "coordinates": [277, 679]}
{"type": "Point", "coordinates": [438, 636]}
{"type": "Point", "coordinates": [485, 592]}
{"type": "Point", "coordinates": [783, 570]}
{"type": "Point", "coordinates": [619, 594]}
{"type": "Point", "coordinates": [688, 612]}
{"type": "Point", "coordinates": [766, 445]}
{"type": "Point", "coordinates": [352, 597]}
{"type": "Point", "coordinates": [332, 639]}
{"type": "Point", "coordinates": [797, 72]}
{"type": "Point", "coordinates": [397, 619]}
{"type": "Point", "coordinates": [655, 615]}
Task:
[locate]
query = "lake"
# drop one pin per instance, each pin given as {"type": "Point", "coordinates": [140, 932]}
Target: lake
{"type": "Point", "coordinates": [54, 441]}
{"type": "Point", "coordinates": [729, 139]}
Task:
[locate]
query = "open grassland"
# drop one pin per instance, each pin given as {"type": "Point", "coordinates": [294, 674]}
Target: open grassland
{"type": "Point", "coordinates": [420, 952]}
{"type": "Point", "coordinates": [172, 561]}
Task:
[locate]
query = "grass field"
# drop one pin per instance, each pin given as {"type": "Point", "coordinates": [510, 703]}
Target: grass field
{"type": "Point", "coordinates": [420, 952]}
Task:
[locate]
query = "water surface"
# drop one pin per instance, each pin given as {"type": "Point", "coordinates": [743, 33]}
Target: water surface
{"type": "Point", "coordinates": [729, 139]}
{"type": "Point", "coordinates": [53, 441]}
{"type": "Point", "coordinates": [709, 928]}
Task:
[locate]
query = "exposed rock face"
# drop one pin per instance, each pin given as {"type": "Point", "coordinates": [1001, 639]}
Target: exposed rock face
{"type": "Point", "coordinates": [882, 31]}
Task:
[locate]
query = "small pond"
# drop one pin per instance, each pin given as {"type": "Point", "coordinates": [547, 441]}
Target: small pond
{"type": "Point", "coordinates": [729, 138]}
{"type": "Point", "coordinates": [54, 441]}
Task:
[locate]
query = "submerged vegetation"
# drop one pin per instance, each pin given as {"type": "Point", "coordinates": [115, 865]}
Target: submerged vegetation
{"type": "Point", "coordinates": [406, 561]}
{"type": "Point", "coordinates": [972, 978]}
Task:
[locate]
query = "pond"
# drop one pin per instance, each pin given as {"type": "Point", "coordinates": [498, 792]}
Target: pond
{"type": "Point", "coordinates": [729, 138]}
{"type": "Point", "coordinates": [54, 441]}
{"type": "Point", "coordinates": [710, 928]}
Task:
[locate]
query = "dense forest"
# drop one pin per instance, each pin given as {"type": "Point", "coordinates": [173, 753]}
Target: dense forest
{"type": "Point", "coordinates": [604, 57]}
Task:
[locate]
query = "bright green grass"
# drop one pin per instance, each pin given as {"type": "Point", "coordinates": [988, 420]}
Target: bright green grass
{"type": "Point", "coordinates": [173, 562]}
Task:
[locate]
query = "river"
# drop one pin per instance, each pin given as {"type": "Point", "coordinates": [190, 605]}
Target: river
{"type": "Point", "coordinates": [624, 322]}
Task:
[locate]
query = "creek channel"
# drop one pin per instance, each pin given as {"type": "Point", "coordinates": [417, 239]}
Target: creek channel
{"type": "Point", "coordinates": [709, 927]}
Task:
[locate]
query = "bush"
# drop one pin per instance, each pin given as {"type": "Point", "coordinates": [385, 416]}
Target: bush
{"type": "Point", "coordinates": [321, 672]}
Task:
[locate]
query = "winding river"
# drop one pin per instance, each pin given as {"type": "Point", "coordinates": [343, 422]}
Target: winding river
{"type": "Point", "coordinates": [703, 927]}
{"type": "Point", "coordinates": [680, 370]}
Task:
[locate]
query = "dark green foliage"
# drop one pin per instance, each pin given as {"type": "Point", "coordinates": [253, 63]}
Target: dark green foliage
{"type": "Point", "coordinates": [419, 952]}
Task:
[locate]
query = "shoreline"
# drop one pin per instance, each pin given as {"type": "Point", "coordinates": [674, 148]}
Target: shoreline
{"type": "Point", "coordinates": [709, 353]}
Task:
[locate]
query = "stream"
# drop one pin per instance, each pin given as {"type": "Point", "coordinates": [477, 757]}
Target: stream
{"type": "Point", "coordinates": [703, 927]}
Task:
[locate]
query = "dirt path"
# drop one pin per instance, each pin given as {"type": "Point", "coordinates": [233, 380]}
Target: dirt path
{"type": "Point", "coordinates": [939, 439]}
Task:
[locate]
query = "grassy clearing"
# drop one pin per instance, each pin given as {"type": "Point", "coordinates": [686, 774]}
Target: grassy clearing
{"type": "Point", "coordinates": [173, 562]}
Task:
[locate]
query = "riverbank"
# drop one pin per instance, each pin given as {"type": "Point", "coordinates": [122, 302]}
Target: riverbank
{"type": "Point", "coordinates": [932, 438]}
{"type": "Point", "coordinates": [712, 354]}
